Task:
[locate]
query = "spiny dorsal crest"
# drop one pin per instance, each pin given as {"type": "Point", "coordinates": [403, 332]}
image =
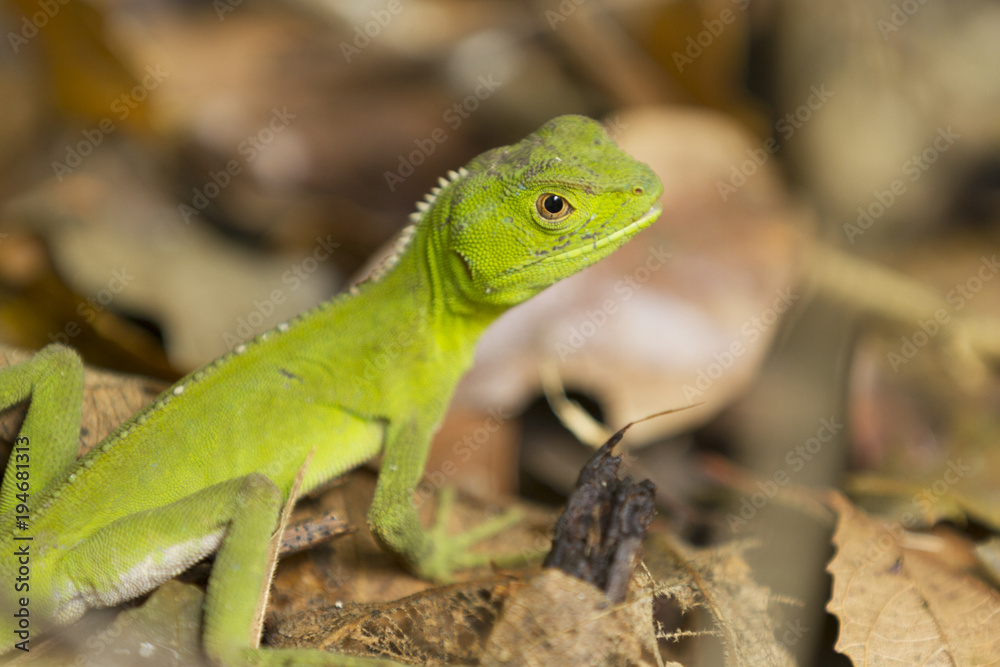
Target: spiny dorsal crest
{"type": "Point", "coordinates": [407, 233]}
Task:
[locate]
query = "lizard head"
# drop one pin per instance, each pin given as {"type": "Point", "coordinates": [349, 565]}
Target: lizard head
{"type": "Point", "coordinates": [524, 216]}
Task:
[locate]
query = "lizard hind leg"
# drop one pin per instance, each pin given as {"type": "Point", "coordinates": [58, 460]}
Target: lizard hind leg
{"type": "Point", "coordinates": [235, 519]}
{"type": "Point", "coordinates": [240, 579]}
{"type": "Point", "coordinates": [49, 436]}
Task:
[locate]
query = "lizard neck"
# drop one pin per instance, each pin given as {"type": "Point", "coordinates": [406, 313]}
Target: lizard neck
{"type": "Point", "coordinates": [421, 288]}
{"type": "Point", "coordinates": [431, 260]}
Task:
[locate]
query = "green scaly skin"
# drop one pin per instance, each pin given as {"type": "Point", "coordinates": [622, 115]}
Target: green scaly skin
{"type": "Point", "coordinates": [207, 466]}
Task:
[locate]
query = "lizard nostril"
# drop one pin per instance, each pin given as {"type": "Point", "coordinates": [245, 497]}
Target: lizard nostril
{"type": "Point", "coordinates": [638, 190]}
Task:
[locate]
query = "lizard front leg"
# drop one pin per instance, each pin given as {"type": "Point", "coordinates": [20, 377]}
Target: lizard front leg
{"type": "Point", "coordinates": [393, 518]}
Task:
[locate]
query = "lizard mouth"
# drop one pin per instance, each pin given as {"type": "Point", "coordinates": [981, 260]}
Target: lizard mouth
{"type": "Point", "coordinates": [626, 232]}
{"type": "Point", "coordinates": [634, 227]}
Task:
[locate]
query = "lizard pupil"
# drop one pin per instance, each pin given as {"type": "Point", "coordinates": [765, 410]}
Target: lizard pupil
{"type": "Point", "coordinates": [553, 207]}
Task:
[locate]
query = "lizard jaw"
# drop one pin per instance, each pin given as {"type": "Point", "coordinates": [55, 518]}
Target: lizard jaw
{"type": "Point", "coordinates": [637, 225]}
{"type": "Point", "coordinates": [629, 230]}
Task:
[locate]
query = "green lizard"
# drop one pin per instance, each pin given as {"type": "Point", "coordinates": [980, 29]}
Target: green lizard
{"type": "Point", "coordinates": [207, 467]}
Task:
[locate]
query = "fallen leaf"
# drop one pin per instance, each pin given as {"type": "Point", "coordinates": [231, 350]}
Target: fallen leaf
{"type": "Point", "coordinates": [552, 619]}
{"type": "Point", "coordinates": [443, 625]}
{"type": "Point", "coordinates": [902, 600]}
{"type": "Point", "coordinates": [718, 580]}
{"type": "Point", "coordinates": [354, 568]}
{"type": "Point", "coordinates": [559, 619]}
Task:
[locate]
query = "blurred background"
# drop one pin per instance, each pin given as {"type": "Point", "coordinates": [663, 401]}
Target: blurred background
{"type": "Point", "coordinates": [178, 177]}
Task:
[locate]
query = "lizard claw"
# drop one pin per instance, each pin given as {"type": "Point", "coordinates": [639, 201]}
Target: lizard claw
{"type": "Point", "coordinates": [447, 553]}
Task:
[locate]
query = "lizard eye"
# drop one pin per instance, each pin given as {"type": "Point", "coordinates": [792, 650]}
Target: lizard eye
{"type": "Point", "coordinates": [552, 207]}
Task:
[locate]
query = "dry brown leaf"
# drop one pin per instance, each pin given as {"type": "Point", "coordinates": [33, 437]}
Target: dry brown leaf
{"type": "Point", "coordinates": [553, 619]}
{"type": "Point", "coordinates": [108, 400]}
{"type": "Point", "coordinates": [443, 625]}
{"type": "Point", "coordinates": [559, 620]}
{"type": "Point", "coordinates": [902, 600]}
{"type": "Point", "coordinates": [354, 568]}
{"type": "Point", "coordinates": [719, 580]}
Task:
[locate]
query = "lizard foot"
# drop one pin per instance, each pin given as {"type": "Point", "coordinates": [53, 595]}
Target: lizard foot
{"type": "Point", "coordinates": [448, 553]}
